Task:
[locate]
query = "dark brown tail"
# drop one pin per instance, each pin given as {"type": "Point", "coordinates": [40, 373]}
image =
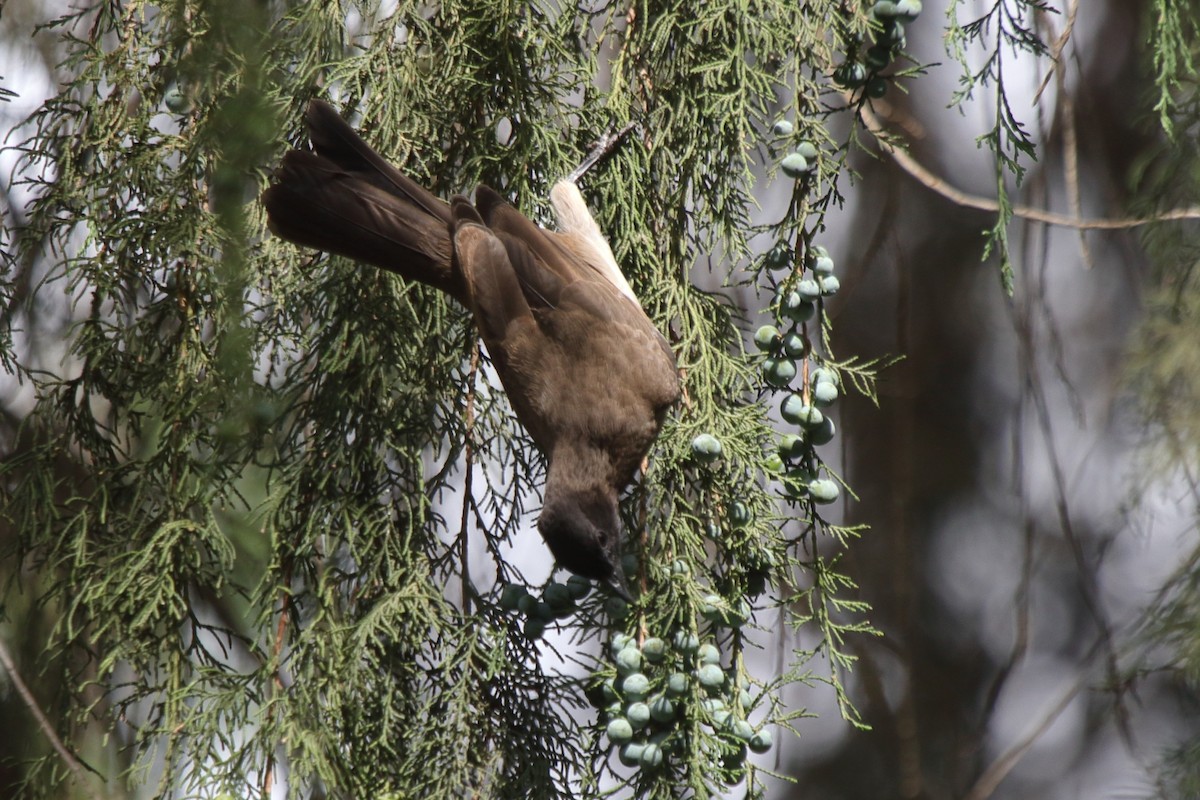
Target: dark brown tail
{"type": "Point", "coordinates": [342, 197]}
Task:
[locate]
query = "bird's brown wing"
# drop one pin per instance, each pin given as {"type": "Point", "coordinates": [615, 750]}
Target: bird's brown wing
{"type": "Point", "coordinates": [517, 231]}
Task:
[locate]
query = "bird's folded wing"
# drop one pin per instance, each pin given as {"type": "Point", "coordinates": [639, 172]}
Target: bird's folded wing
{"type": "Point", "coordinates": [495, 292]}
{"type": "Point", "coordinates": [545, 249]}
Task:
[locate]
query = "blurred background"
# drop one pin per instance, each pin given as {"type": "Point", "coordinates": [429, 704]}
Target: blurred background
{"type": "Point", "coordinates": [1026, 476]}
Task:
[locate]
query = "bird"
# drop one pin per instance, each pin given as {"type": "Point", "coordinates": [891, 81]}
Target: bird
{"type": "Point", "coordinates": [585, 370]}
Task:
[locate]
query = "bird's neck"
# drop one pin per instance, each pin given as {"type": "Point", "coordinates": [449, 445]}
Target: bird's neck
{"type": "Point", "coordinates": [581, 467]}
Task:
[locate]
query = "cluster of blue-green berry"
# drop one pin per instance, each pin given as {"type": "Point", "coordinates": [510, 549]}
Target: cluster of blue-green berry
{"type": "Point", "coordinates": [656, 682]}
{"type": "Point", "coordinates": [558, 600]}
{"type": "Point", "coordinates": [784, 350]}
{"type": "Point", "coordinates": [890, 39]}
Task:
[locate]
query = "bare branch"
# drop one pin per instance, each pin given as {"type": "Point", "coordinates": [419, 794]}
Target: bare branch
{"type": "Point", "coordinates": [74, 764]}
{"type": "Point", "coordinates": [961, 198]}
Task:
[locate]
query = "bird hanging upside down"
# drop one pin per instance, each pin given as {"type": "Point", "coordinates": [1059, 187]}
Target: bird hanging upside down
{"type": "Point", "coordinates": [584, 368]}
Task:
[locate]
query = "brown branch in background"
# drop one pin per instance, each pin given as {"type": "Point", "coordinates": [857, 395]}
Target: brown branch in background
{"type": "Point", "coordinates": [285, 606]}
{"type": "Point", "coordinates": [961, 198]}
{"type": "Point", "coordinates": [464, 550]}
{"type": "Point", "coordinates": [74, 764]}
{"type": "Point", "coordinates": [998, 770]}
{"type": "Point", "coordinates": [1056, 51]}
{"type": "Point", "coordinates": [1065, 110]}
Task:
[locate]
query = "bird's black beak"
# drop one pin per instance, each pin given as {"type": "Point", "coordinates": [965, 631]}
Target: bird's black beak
{"type": "Point", "coordinates": [618, 585]}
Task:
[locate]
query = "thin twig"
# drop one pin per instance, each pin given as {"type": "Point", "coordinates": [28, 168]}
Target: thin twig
{"type": "Point", "coordinates": [74, 764]}
{"type": "Point", "coordinates": [285, 605]}
{"type": "Point", "coordinates": [1056, 51]}
{"type": "Point", "coordinates": [464, 550]}
{"type": "Point", "coordinates": [998, 770]}
{"type": "Point", "coordinates": [961, 198]}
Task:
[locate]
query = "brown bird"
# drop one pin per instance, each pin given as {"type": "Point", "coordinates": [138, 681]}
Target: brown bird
{"type": "Point", "coordinates": [585, 370]}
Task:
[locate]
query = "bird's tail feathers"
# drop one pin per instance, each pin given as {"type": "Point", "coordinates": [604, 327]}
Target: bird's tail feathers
{"type": "Point", "coordinates": [344, 198]}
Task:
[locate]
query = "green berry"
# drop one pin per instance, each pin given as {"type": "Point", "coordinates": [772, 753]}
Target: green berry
{"type": "Point", "coordinates": [558, 597]}
{"type": "Point", "coordinates": [685, 642]}
{"type": "Point", "coordinates": [830, 285]}
{"type": "Point", "coordinates": [742, 730]}
{"type": "Point", "coordinates": [619, 730]}
{"type": "Point", "coordinates": [616, 608]}
{"type": "Point", "coordinates": [544, 612]}
{"type": "Point", "coordinates": [808, 150]}
{"type": "Point", "coordinates": [706, 447]}
{"type": "Point", "coordinates": [908, 10]}
{"type": "Point", "coordinates": [534, 627]}
{"type": "Point", "coordinates": [778, 372]}
{"type": "Point", "coordinates": [778, 257]}
{"type": "Point", "coordinates": [773, 464]}
{"type": "Point", "coordinates": [794, 165]}
{"type": "Point", "coordinates": [783, 128]}
{"type": "Point", "coordinates": [761, 741]}
{"type": "Point", "coordinates": [710, 676]}
{"type": "Point", "coordinates": [745, 700]}
{"type": "Point", "coordinates": [510, 596]}
{"type": "Point", "coordinates": [638, 714]}
{"type": "Point", "coordinates": [629, 660]}
{"type": "Point", "coordinates": [791, 446]}
{"type": "Point", "coordinates": [824, 393]}
{"type": "Point", "coordinates": [823, 265]}
{"type": "Point", "coordinates": [739, 514]}
{"type": "Point", "coordinates": [652, 756]}
{"type": "Point", "coordinates": [810, 416]}
{"type": "Point", "coordinates": [884, 9]}
{"type": "Point", "coordinates": [794, 345]}
{"type": "Point", "coordinates": [662, 709]}
{"type": "Point", "coordinates": [823, 433]}
{"type": "Point", "coordinates": [823, 375]}
{"type": "Point", "coordinates": [631, 753]}
{"type": "Point", "coordinates": [579, 586]}
{"type": "Point", "coordinates": [792, 407]}
{"type": "Point", "coordinates": [654, 649]}
{"type": "Point", "coordinates": [680, 567]}
{"type": "Point", "coordinates": [876, 87]}
{"type": "Point", "coordinates": [808, 289]}
{"type": "Point", "coordinates": [767, 338]}
{"type": "Point", "coordinates": [635, 687]}
{"type": "Point", "coordinates": [708, 654]}
{"type": "Point", "coordinates": [527, 604]}
{"type": "Point", "coordinates": [850, 74]}
{"type": "Point", "coordinates": [177, 101]}
{"type": "Point", "coordinates": [823, 491]}
{"type": "Point", "coordinates": [713, 608]}
{"type": "Point", "coordinates": [600, 694]}
{"type": "Point", "coordinates": [677, 684]}
{"type": "Point", "coordinates": [794, 307]}
{"type": "Point", "coordinates": [619, 642]}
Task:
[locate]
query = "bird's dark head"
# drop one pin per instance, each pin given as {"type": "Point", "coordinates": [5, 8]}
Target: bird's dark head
{"type": "Point", "coordinates": [583, 532]}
